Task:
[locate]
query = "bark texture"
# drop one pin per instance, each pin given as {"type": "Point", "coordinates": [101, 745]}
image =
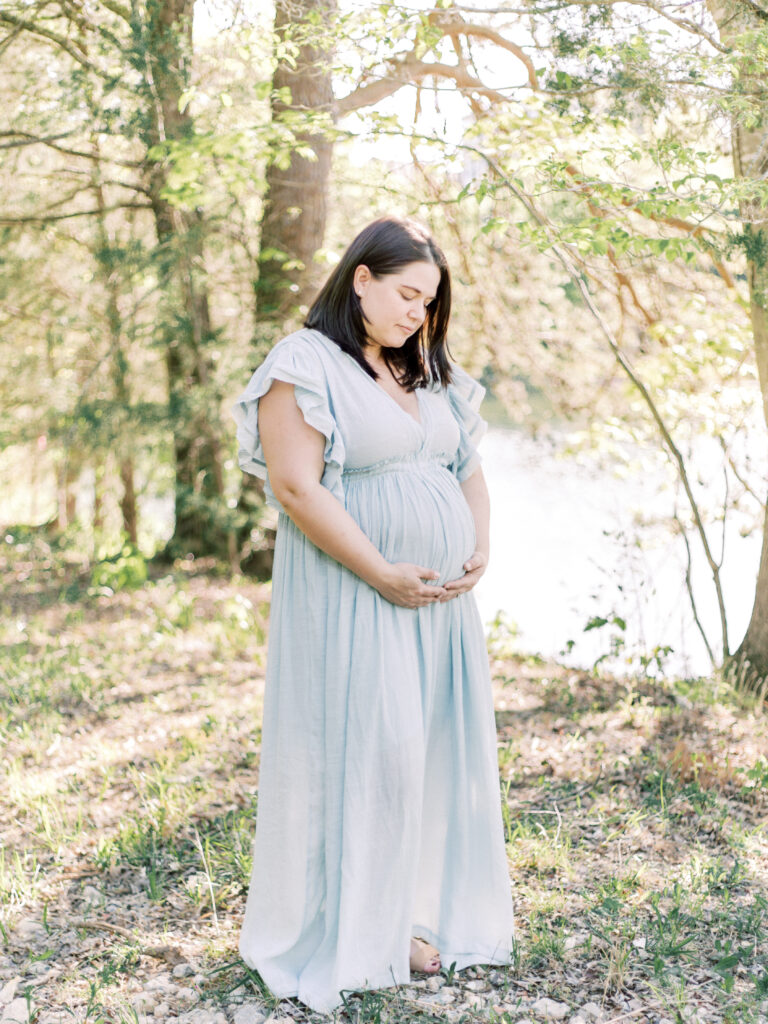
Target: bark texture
{"type": "Point", "coordinates": [293, 222]}
{"type": "Point", "coordinates": [193, 405]}
{"type": "Point", "coordinates": [118, 362]}
{"type": "Point", "coordinates": [750, 156]}
{"type": "Point", "coordinates": [295, 208]}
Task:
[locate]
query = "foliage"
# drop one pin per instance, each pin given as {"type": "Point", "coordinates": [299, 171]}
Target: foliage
{"type": "Point", "coordinates": [573, 158]}
{"type": "Point", "coordinates": [126, 568]}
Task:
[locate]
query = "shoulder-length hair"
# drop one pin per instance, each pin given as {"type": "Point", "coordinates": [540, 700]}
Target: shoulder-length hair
{"type": "Point", "coordinates": [385, 246]}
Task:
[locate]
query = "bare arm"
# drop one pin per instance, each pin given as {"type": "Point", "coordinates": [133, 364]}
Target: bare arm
{"type": "Point", "coordinates": [293, 452]}
{"type": "Point", "coordinates": [475, 491]}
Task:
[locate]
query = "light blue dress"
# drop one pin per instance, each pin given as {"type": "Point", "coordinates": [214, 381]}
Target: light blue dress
{"type": "Point", "coordinates": [379, 812]}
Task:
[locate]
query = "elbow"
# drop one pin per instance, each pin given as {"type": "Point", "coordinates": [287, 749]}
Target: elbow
{"type": "Point", "coordinates": [293, 493]}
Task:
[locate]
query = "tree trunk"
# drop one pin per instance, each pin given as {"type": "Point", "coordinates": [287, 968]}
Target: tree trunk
{"type": "Point", "coordinates": [200, 526]}
{"type": "Point", "coordinates": [292, 227]}
{"type": "Point", "coordinates": [295, 207]}
{"type": "Point", "coordinates": [107, 272]}
{"type": "Point", "coordinates": [750, 157]}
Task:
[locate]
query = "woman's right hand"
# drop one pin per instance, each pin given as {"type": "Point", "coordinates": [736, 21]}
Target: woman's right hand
{"type": "Point", "coordinates": [403, 583]}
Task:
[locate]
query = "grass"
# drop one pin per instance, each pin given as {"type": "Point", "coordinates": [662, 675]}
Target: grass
{"type": "Point", "coordinates": [634, 813]}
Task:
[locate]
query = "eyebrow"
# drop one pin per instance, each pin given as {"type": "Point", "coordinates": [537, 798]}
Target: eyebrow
{"type": "Point", "coordinates": [418, 291]}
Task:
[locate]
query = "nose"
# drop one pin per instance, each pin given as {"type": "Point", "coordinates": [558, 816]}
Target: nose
{"type": "Point", "coordinates": [416, 313]}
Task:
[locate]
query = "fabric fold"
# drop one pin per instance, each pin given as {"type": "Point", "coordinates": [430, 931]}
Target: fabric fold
{"type": "Point", "coordinates": [464, 398]}
{"type": "Point", "coordinates": [294, 361]}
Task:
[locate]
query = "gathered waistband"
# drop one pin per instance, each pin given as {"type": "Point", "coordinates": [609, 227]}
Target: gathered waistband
{"type": "Point", "coordinates": [417, 461]}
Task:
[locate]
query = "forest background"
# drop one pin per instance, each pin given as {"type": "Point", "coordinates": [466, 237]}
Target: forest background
{"type": "Point", "coordinates": [176, 179]}
{"type": "Point", "coordinates": [179, 178]}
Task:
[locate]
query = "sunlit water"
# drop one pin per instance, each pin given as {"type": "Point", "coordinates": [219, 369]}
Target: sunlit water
{"type": "Point", "coordinates": [564, 549]}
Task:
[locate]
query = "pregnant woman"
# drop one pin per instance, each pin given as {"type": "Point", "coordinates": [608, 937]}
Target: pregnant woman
{"type": "Point", "coordinates": [379, 844]}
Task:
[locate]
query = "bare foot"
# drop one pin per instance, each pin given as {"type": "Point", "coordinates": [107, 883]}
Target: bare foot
{"type": "Point", "coordinates": [425, 959]}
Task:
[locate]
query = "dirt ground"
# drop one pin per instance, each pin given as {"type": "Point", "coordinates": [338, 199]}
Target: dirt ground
{"type": "Point", "coordinates": [635, 816]}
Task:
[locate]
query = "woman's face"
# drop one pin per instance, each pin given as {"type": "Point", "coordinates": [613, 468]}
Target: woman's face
{"type": "Point", "coordinates": [395, 305]}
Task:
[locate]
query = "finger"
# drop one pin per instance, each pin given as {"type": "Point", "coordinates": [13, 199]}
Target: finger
{"type": "Point", "coordinates": [456, 584]}
{"type": "Point", "coordinates": [475, 562]}
{"type": "Point", "coordinates": [426, 574]}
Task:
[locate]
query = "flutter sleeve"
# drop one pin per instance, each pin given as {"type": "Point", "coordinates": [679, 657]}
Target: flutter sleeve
{"type": "Point", "coordinates": [296, 361]}
{"type": "Point", "coordinates": [464, 397]}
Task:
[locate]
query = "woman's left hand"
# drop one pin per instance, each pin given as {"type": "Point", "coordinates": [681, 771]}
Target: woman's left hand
{"type": "Point", "coordinates": [474, 568]}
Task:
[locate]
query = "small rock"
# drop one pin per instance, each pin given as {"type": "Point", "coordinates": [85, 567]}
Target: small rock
{"type": "Point", "coordinates": [160, 983]}
{"type": "Point", "coordinates": [550, 1009]}
{"type": "Point", "coordinates": [434, 984]}
{"type": "Point", "coordinates": [481, 985]}
{"type": "Point", "coordinates": [220, 1018]}
{"type": "Point", "coordinates": [445, 996]}
{"type": "Point", "coordinates": [91, 895]}
{"type": "Point", "coordinates": [474, 1001]}
{"type": "Point", "coordinates": [182, 970]}
{"type": "Point", "coordinates": [186, 996]}
{"type": "Point", "coordinates": [249, 1013]}
{"type": "Point", "coordinates": [639, 942]}
{"type": "Point", "coordinates": [593, 1012]}
{"type": "Point", "coordinates": [199, 979]}
{"type": "Point", "coordinates": [144, 1002]}
{"type": "Point", "coordinates": [692, 1015]}
{"type": "Point", "coordinates": [8, 991]}
{"type": "Point", "coordinates": [28, 928]}
{"type": "Point", "coordinates": [15, 1012]}
{"type": "Point", "coordinates": [575, 940]}
{"type": "Point", "coordinates": [578, 1019]}
{"type": "Point", "coordinates": [198, 1016]}
{"type": "Point", "coordinates": [161, 1011]}
{"type": "Point", "coordinates": [496, 978]}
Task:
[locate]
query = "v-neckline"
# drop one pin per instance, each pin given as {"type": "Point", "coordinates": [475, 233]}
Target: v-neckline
{"type": "Point", "coordinates": [418, 422]}
{"type": "Point", "coordinates": [394, 401]}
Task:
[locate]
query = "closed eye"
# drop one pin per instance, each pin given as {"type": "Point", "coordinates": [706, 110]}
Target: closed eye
{"type": "Point", "coordinates": [408, 298]}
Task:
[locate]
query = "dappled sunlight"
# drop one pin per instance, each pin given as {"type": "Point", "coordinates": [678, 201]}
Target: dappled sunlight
{"type": "Point", "coordinates": [634, 815]}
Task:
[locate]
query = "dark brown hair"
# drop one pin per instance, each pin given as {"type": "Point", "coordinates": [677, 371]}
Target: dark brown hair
{"type": "Point", "coordinates": [385, 246]}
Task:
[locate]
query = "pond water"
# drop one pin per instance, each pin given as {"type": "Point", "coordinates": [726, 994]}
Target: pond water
{"type": "Point", "coordinates": [564, 549]}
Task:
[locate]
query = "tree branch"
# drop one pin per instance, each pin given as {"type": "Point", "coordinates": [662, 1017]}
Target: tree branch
{"type": "Point", "coordinates": [28, 139]}
{"type": "Point", "coordinates": [689, 588]}
{"type": "Point", "coordinates": [453, 26]}
{"type": "Point", "coordinates": [563, 256]}
{"type": "Point", "coordinates": [408, 72]}
{"type": "Point", "coordinates": [695, 230]}
{"type": "Point", "coordinates": [52, 37]}
{"type": "Point", "coordinates": [76, 213]}
{"type": "Point", "coordinates": [546, 9]}
{"type": "Point", "coordinates": [117, 8]}
{"type": "Point", "coordinates": [749, 490]}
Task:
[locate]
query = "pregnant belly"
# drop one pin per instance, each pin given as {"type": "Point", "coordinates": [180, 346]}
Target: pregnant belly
{"type": "Point", "coordinates": [418, 515]}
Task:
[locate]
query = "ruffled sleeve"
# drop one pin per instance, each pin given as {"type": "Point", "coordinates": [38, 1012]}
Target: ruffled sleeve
{"type": "Point", "coordinates": [464, 397]}
{"type": "Point", "coordinates": [296, 361]}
